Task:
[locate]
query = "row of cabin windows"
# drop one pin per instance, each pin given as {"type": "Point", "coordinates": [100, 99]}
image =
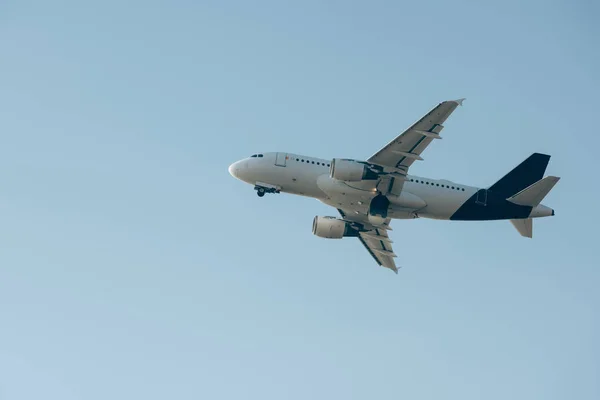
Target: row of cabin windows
{"type": "Point", "coordinates": [412, 180]}
{"type": "Point", "coordinates": [437, 184]}
{"type": "Point", "coordinates": [308, 162]}
{"type": "Point", "coordinates": [297, 159]}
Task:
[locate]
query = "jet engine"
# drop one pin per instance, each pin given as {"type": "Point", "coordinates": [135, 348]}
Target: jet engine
{"type": "Point", "coordinates": [351, 171]}
{"type": "Point", "coordinates": [332, 228]}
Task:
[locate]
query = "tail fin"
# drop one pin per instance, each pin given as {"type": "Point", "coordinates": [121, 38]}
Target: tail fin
{"type": "Point", "coordinates": [529, 171]}
{"type": "Point", "coordinates": [524, 226]}
{"type": "Point", "coordinates": [534, 194]}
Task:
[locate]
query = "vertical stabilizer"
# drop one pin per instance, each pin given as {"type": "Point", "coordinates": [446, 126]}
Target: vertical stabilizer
{"type": "Point", "coordinates": [529, 171]}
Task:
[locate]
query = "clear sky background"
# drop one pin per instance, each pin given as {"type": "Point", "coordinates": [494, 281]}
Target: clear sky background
{"type": "Point", "coordinates": [132, 265]}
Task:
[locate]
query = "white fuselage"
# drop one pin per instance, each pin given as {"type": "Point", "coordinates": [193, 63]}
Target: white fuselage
{"type": "Point", "coordinates": [310, 176]}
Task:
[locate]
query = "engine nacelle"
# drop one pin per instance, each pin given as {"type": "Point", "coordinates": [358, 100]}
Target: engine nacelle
{"type": "Point", "coordinates": [332, 228]}
{"type": "Point", "coordinates": [351, 171]}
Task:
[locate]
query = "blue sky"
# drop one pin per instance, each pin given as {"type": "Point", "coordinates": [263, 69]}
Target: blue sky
{"type": "Point", "coordinates": [133, 266]}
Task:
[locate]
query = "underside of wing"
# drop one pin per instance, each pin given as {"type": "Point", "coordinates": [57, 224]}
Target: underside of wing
{"type": "Point", "coordinates": [376, 241]}
{"type": "Point", "coordinates": [379, 246]}
{"type": "Point", "coordinates": [401, 152]}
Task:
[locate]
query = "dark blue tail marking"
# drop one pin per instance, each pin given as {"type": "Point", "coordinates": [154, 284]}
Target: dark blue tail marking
{"type": "Point", "coordinates": [496, 207]}
{"type": "Point", "coordinates": [528, 172]}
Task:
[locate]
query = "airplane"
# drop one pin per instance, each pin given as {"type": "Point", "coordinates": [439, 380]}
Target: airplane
{"type": "Point", "coordinates": [368, 194]}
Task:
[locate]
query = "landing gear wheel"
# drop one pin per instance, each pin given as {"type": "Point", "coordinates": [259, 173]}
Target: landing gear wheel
{"type": "Point", "coordinates": [260, 192]}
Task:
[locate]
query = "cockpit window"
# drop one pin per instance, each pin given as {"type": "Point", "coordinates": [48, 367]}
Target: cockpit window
{"type": "Point", "coordinates": [260, 155]}
{"type": "Point", "coordinates": [254, 155]}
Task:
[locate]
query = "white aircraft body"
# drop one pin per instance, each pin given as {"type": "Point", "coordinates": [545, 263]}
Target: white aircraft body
{"type": "Point", "coordinates": [369, 194]}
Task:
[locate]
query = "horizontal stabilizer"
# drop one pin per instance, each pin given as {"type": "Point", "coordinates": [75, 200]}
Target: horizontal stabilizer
{"type": "Point", "coordinates": [534, 194]}
{"type": "Point", "coordinates": [524, 226]}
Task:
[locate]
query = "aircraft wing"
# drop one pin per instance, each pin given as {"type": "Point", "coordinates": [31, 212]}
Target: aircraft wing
{"type": "Point", "coordinates": [375, 240]}
{"type": "Point", "coordinates": [401, 152]}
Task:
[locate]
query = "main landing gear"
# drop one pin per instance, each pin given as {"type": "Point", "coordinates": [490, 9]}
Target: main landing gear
{"type": "Point", "coordinates": [261, 190]}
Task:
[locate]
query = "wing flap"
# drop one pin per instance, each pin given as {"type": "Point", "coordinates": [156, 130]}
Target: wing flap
{"type": "Point", "coordinates": [379, 247]}
{"type": "Point", "coordinates": [375, 239]}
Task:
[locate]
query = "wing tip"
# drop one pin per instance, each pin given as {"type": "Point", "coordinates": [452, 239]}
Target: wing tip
{"type": "Point", "coordinates": [459, 101]}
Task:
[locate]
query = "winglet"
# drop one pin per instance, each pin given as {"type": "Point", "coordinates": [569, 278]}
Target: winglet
{"type": "Point", "coordinates": [459, 101]}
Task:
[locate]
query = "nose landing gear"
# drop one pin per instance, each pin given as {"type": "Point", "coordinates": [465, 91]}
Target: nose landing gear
{"type": "Point", "coordinates": [261, 190]}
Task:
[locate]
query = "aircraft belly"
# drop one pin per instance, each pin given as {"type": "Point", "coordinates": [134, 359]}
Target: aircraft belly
{"type": "Point", "coordinates": [341, 192]}
{"type": "Point", "coordinates": [441, 208]}
{"type": "Point", "coordinates": [407, 200]}
{"type": "Point", "coordinates": [402, 213]}
{"type": "Point", "coordinates": [295, 181]}
{"type": "Point", "coordinates": [357, 199]}
{"type": "Point", "coordinates": [441, 203]}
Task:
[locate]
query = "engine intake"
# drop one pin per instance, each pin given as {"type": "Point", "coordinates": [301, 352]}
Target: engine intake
{"type": "Point", "coordinates": [351, 171]}
{"type": "Point", "coordinates": [332, 228]}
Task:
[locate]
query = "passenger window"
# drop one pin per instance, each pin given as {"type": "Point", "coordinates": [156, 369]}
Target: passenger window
{"type": "Point", "coordinates": [313, 162]}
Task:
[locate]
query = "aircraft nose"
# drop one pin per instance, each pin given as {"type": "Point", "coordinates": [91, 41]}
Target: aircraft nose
{"type": "Point", "coordinates": [233, 169]}
{"type": "Point", "coordinates": [237, 169]}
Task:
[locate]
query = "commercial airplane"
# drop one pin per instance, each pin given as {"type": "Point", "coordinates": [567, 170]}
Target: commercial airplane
{"type": "Point", "coordinates": [369, 194]}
